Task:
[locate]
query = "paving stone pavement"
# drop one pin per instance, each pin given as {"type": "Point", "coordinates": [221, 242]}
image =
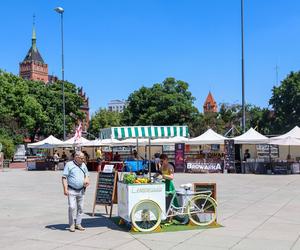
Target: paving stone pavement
{"type": "Point", "coordinates": [256, 211]}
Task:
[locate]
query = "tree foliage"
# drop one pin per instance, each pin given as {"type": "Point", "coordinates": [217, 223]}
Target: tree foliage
{"type": "Point", "coordinates": [285, 101]}
{"type": "Point", "coordinates": [103, 119]}
{"type": "Point", "coordinates": [8, 147]}
{"type": "Point", "coordinates": [30, 108]}
{"type": "Point", "coordinates": [167, 103]}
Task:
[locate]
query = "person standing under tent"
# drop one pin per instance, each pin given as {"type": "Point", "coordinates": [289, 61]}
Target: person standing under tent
{"type": "Point", "coordinates": [56, 160]}
{"type": "Point", "coordinates": [117, 157]}
{"type": "Point", "coordinates": [64, 156]}
{"type": "Point", "coordinates": [167, 173]}
{"type": "Point", "coordinates": [247, 155]}
{"type": "Point", "coordinates": [157, 161]}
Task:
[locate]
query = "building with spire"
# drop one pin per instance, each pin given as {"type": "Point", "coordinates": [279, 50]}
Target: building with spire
{"type": "Point", "coordinates": [210, 105]}
{"type": "Point", "coordinates": [33, 66]}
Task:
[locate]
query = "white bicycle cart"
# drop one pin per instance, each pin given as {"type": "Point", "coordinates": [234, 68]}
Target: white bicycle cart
{"type": "Point", "coordinates": [144, 205]}
{"type": "Point", "coordinates": [138, 203]}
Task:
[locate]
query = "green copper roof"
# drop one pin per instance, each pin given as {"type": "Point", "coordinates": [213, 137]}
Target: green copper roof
{"type": "Point", "coordinates": [33, 54]}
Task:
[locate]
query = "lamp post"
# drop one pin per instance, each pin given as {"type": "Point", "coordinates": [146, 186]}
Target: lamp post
{"type": "Point", "coordinates": [60, 11]}
{"type": "Point", "coordinates": [243, 81]}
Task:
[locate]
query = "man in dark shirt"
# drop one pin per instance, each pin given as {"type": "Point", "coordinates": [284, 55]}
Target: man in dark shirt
{"type": "Point", "coordinates": [247, 155]}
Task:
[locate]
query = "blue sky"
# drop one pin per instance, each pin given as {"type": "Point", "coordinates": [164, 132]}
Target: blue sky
{"type": "Point", "coordinates": [114, 47]}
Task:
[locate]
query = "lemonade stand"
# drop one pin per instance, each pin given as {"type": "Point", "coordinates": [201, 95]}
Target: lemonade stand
{"type": "Point", "coordinates": [141, 203]}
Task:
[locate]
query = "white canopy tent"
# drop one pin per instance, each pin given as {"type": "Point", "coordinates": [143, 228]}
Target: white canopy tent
{"type": "Point", "coordinates": [291, 138]}
{"type": "Point", "coordinates": [251, 137]}
{"type": "Point", "coordinates": [109, 142]}
{"type": "Point", "coordinates": [49, 142]}
{"type": "Point", "coordinates": [294, 133]}
{"type": "Point", "coordinates": [133, 142]}
{"type": "Point", "coordinates": [169, 141]}
{"type": "Point", "coordinates": [92, 143]}
{"type": "Point", "coordinates": [73, 142]}
{"type": "Point", "coordinates": [209, 137]}
{"type": "Point", "coordinates": [115, 142]}
{"type": "Point", "coordinates": [285, 141]}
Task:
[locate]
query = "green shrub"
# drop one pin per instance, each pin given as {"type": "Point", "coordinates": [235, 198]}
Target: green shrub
{"type": "Point", "coordinates": [8, 147]}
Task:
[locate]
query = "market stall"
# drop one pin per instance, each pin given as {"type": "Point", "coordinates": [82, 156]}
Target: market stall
{"type": "Point", "coordinates": [258, 143]}
{"type": "Point", "coordinates": [142, 136]}
{"type": "Point", "coordinates": [290, 165]}
{"type": "Point", "coordinates": [45, 162]}
{"type": "Point", "coordinates": [206, 153]}
{"type": "Point", "coordinates": [132, 190]}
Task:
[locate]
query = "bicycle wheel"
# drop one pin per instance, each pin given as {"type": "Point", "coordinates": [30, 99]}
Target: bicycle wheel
{"type": "Point", "coordinates": [146, 215]}
{"type": "Point", "coordinates": [202, 210]}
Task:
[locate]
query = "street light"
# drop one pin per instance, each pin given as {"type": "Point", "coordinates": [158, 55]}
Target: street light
{"type": "Point", "coordinates": [60, 11]}
{"type": "Point", "coordinates": [243, 81]}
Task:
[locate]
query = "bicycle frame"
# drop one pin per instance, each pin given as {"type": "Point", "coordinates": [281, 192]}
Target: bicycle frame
{"type": "Point", "coordinates": [174, 210]}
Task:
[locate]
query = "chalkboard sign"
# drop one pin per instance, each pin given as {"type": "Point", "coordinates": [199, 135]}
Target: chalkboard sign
{"type": "Point", "coordinates": [198, 187]}
{"type": "Point", "coordinates": [229, 157]}
{"type": "Point", "coordinates": [106, 191]}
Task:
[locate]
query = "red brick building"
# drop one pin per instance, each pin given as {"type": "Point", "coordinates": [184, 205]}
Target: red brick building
{"type": "Point", "coordinates": [34, 68]}
{"type": "Point", "coordinates": [210, 104]}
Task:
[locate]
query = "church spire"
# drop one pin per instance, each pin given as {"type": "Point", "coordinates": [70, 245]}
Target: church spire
{"type": "Point", "coordinates": [33, 66]}
{"type": "Point", "coordinates": [33, 39]}
{"type": "Point", "coordinates": [210, 104]}
{"type": "Point", "coordinates": [33, 53]}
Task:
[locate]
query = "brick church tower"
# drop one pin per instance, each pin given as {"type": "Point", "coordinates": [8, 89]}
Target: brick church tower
{"type": "Point", "coordinates": [210, 105]}
{"type": "Point", "coordinates": [33, 66]}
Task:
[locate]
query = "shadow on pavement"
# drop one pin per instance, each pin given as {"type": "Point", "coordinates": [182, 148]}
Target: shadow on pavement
{"type": "Point", "coordinates": [62, 227]}
{"type": "Point", "coordinates": [93, 221]}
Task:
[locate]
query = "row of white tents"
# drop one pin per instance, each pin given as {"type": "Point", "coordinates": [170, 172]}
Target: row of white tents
{"type": "Point", "coordinates": [291, 138]}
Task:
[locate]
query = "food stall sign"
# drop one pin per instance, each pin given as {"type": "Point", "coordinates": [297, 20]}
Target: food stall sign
{"type": "Point", "coordinates": [204, 167]}
{"type": "Point", "coordinates": [106, 190]}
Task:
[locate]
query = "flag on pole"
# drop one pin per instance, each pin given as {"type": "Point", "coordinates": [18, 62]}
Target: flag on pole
{"type": "Point", "coordinates": [78, 132]}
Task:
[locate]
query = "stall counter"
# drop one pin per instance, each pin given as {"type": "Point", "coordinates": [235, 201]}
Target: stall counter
{"type": "Point", "coordinates": [131, 194]}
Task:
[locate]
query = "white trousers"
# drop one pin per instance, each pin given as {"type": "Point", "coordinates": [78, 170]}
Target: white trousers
{"type": "Point", "coordinates": [75, 202]}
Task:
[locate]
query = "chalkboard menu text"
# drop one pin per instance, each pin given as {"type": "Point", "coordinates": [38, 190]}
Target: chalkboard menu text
{"type": "Point", "coordinates": [229, 158]}
{"type": "Point", "coordinates": [106, 191]}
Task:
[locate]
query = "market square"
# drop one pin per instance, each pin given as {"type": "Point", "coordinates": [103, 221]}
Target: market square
{"type": "Point", "coordinates": [150, 125]}
{"type": "Point", "coordinates": [255, 211]}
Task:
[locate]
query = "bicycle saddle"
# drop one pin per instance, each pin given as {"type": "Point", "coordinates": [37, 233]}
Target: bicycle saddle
{"type": "Point", "coordinates": [186, 186]}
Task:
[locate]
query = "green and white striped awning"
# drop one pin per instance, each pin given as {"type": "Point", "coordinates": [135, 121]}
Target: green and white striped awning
{"type": "Point", "coordinates": [144, 132]}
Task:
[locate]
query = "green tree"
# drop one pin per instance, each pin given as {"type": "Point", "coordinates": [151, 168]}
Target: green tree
{"type": "Point", "coordinates": [8, 147]}
{"type": "Point", "coordinates": [30, 108]}
{"type": "Point", "coordinates": [103, 119]}
{"type": "Point", "coordinates": [285, 102]}
{"type": "Point", "coordinates": [167, 103]}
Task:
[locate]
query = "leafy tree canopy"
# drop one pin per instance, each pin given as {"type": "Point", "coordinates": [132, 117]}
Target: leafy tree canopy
{"type": "Point", "coordinates": [285, 101]}
{"type": "Point", "coordinates": [167, 103]}
{"type": "Point", "coordinates": [103, 119]}
{"type": "Point", "coordinates": [30, 108]}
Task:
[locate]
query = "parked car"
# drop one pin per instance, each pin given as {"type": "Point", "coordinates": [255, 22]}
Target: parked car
{"type": "Point", "coordinates": [20, 154]}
